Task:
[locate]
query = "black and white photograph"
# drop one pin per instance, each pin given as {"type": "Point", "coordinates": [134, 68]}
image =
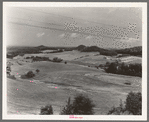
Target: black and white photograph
{"type": "Point", "coordinates": [74, 61]}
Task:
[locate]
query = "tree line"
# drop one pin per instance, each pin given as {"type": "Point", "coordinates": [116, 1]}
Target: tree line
{"type": "Point", "coordinates": [83, 105]}
{"type": "Point", "coordinates": [124, 69]}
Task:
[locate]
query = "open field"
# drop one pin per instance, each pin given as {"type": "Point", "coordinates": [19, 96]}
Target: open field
{"type": "Point", "coordinates": [57, 81]}
{"type": "Point", "coordinates": [131, 59]}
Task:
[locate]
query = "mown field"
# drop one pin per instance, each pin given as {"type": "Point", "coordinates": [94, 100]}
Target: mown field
{"type": "Point", "coordinates": [57, 81]}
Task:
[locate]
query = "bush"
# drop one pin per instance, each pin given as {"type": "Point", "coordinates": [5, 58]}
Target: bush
{"type": "Point", "coordinates": [47, 110]}
{"type": "Point", "coordinates": [37, 70]}
{"type": "Point", "coordinates": [30, 74]}
{"type": "Point", "coordinates": [134, 103]}
{"type": "Point", "coordinates": [55, 59]}
{"type": "Point", "coordinates": [81, 105]}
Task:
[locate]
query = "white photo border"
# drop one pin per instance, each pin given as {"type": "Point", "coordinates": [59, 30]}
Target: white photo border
{"type": "Point", "coordinates": [143, 5]}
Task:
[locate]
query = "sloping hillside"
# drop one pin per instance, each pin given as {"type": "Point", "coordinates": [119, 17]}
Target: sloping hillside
{"type": "Point", "coordinates": [80, 47]}
{"type": "Point", "coordinates": [57, 81]}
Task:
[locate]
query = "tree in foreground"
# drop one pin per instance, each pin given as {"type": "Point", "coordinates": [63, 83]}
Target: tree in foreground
{"type": "Point", "coordinates": [47, 110]}
{"type": "Point", "coordinates": [82, 105]}
{"type": "Point", "coordinates": [68, 110]}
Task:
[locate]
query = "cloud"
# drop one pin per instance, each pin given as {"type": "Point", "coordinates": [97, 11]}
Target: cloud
{"type": "Point", "coordinates": [130, 40]}
{"type": "Point", "coordinates": [88, 37]}
{"type": "Point", "coordinates": [73, 35]}
{"type": "Point", "coordinates": [62, 35]}
{"type": "Point", "coordinates": [40, 34]}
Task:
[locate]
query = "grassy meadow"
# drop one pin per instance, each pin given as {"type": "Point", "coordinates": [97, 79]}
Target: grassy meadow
{"type": "Point", "coordinates": [57, 81]}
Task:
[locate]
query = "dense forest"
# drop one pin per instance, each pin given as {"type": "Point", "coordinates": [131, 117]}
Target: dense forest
{"type": "Point", "coordinates": [124, 69]}
{"type": "Point", "coordinates": [136, 51]}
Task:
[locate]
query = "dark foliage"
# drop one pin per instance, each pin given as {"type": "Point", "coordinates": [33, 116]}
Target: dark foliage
{"type": "Point", "coordinates": [92, 49]}
{"type": "Point", "coordinates": [108, 52]}
{"type": "Point", "coordinates": [68, 110]}
{"type": "Point", "coordinates": [124, 69]}
{"type": "Point", "coordinates": [11, 55]}
{"type": "Point", "coordinates": [47, 110]}
{"type": "Point", "coordinates": [55, 59]}
{"type": "Point", "coordinates": [102, 51]}
{"type": "Point", "coordinates": [134, 103]}
{"type": "Point", "coordinates": [37, 70]}
{"type": "Point", "coordinates": [80, 47]}
{"type": "Point", "coordinates": [81, 105]}
{"type": "Point", "coordinates": [37, 58]}
{"type": "Point", "coordinates": [18, 50]}
{"type": "Point", "coordinates": [14, 51]}
{"type": "Point", "coordinates": [30, 74]}
{"type": "Point", "coordinates": [132, 51]}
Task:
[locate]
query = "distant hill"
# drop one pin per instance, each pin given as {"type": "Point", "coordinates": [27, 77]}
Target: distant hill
{"type": "Point", "coordinates": [84, 48]}
{"type": "Point", "coordinates": [80, 47]}
{"type": "Point", "coordinates": [93, 49]}
{"type": "Point", "coordinates": [42, 47]}
{"type": "Point", "coordinates": [102, 51]}
{"type": "Point", "coordinates": [132, 51]}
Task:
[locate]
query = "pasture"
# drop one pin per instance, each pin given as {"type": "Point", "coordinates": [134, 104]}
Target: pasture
{"type": "Point", "coordinates": [57, 81]}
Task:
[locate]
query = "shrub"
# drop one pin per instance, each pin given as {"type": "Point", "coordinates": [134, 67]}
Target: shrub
{"type": "Point", "coordinates": [37, 70]}
{"type": "Point", "coordinates": [55, 59]}
{"type": "Point", "coordinates": [112, 68]}
{"type": "Point", "coordinates": [82, 105]}
{"type": "Point", "coordinates": [134, 103]}
{"type": "Point", "coordinates": [30, 74]}
{"type": "Point", "coordinates": [47, 110]}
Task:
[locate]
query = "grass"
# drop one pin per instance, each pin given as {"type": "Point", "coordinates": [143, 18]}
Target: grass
{"type": "Point", "coordinates": [104, 89]}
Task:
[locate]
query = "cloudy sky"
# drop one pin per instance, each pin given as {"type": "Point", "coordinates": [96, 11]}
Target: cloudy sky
{"type": "Point", "coordinates": [57, 26]}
